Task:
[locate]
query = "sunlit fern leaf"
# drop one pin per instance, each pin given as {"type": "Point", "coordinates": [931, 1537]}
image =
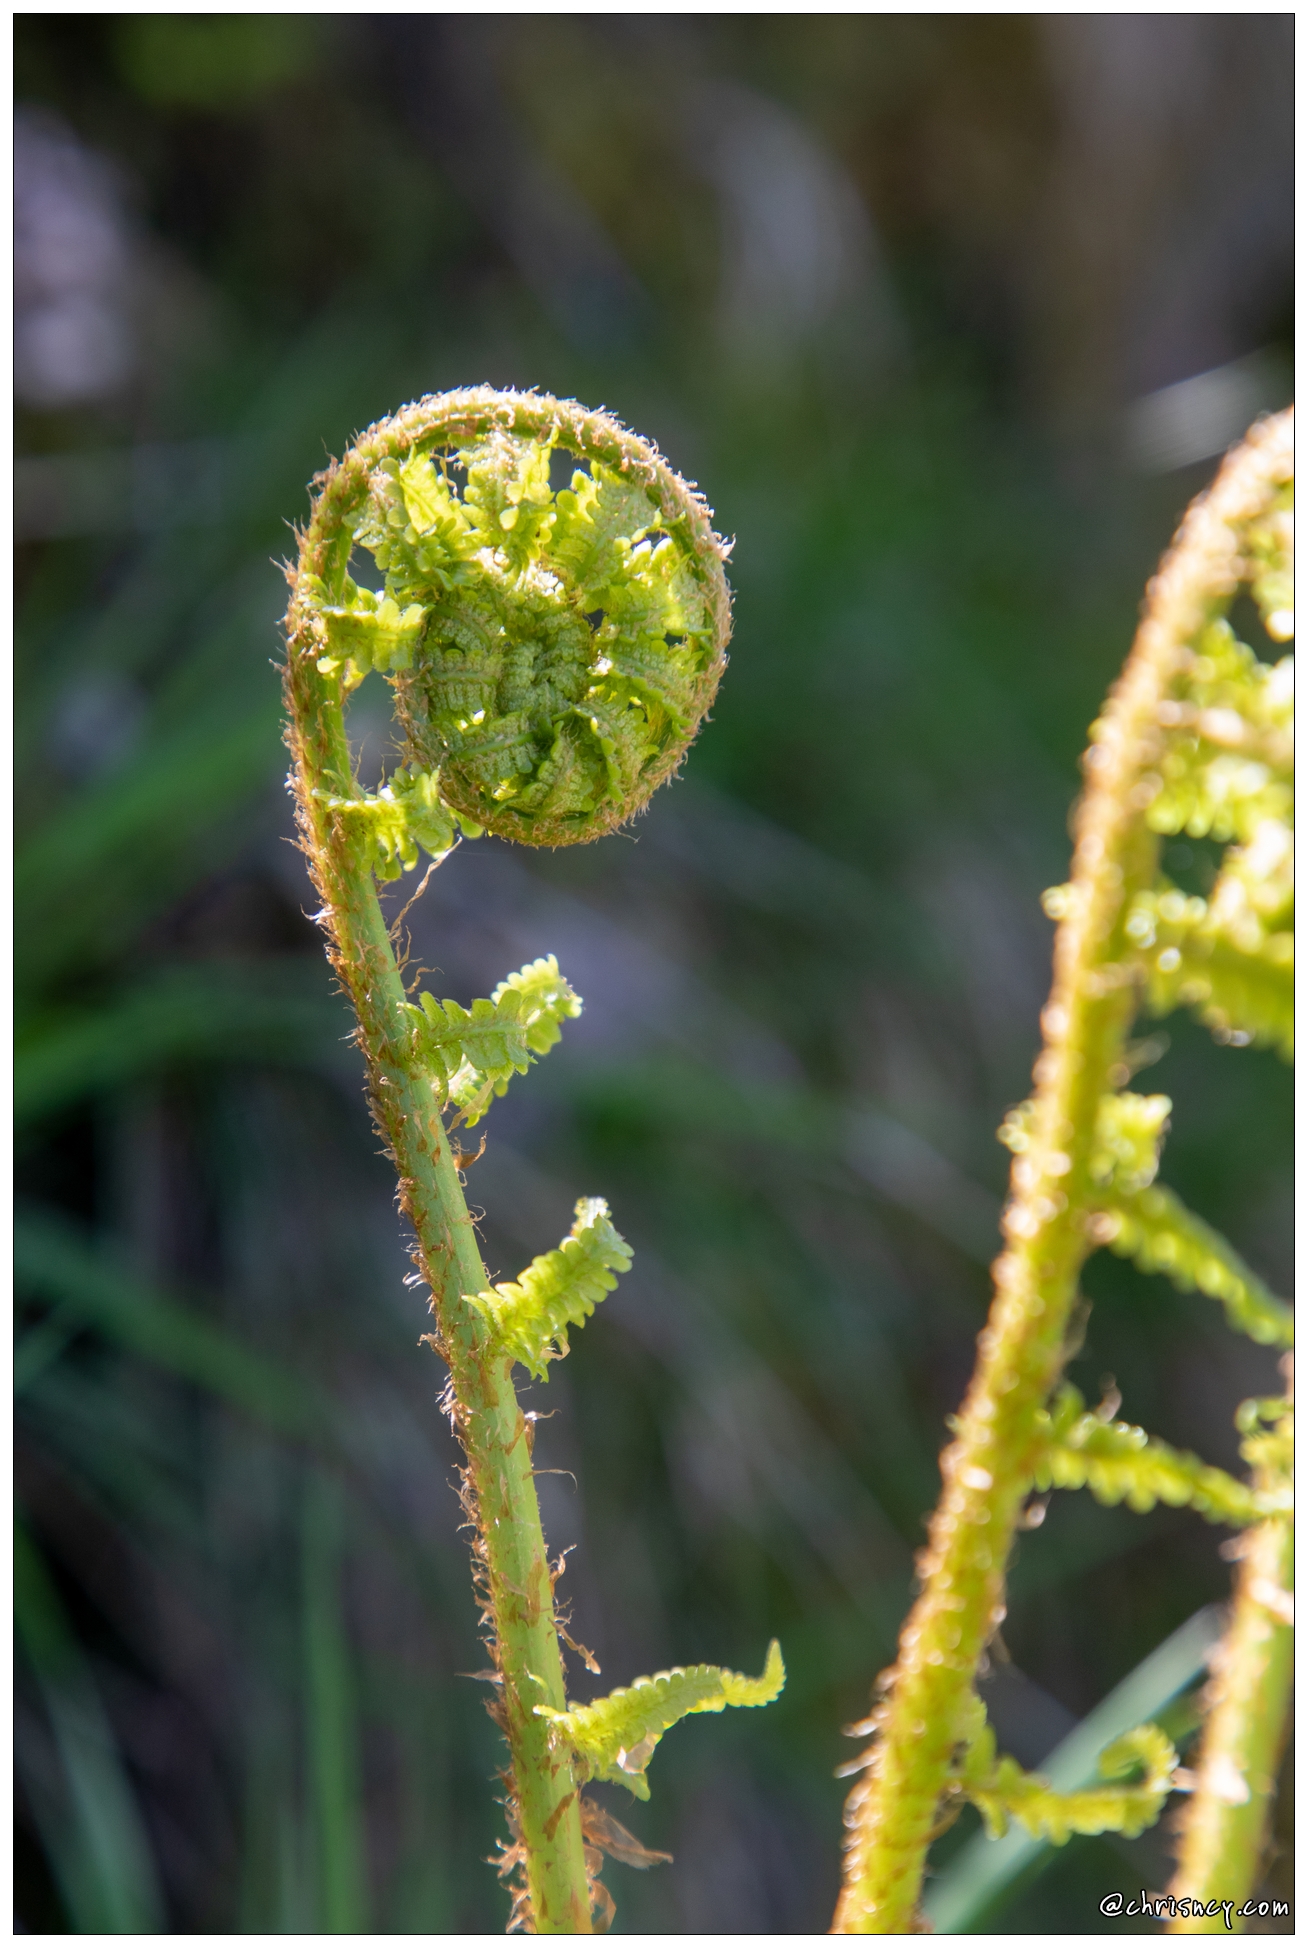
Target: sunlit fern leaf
{"type": "Point", "coordinates": [1144, 1221]}
{"type": "Point", "coordinates": [473, 1053]}
{"type": "Point", "coordinates": [508, 497]}
{"type": "Point", "coordinates": [1269, 544]}
{"type": "Point", "coordinates": [1001, 1790]}
{"type": "Point", "coordinates": [614, 1739]}
{"type": "Point", "coordinates": [1121, 1463]}
{"type": "Point", "coordinates": [547, 997]}
{"type": "Point", "coordinates": [530, 1318]}
{"type": "Point", "coordinates": [1268, 1448]}
{"type": "Point", "coordinates": [592, 515]}
{"type": "Point", "coordinates": [1229, 751]}
{"type": "Point", "coordinates": [1154, 1228]}
{"type": "Point", "coordinates": [373, 632]}
{"type": "Point", "coordinates": [1231, 957]}
{"type": "Point", "coordinates": [405, 814]}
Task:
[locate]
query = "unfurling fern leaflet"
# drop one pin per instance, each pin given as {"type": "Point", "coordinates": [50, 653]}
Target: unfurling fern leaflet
{"type": "Point", "coordinates": [614, 1739]}
{"type": "Point", "coordinates": [551, 655]}
{"type": "Point", "coordinates": [530, 1319]}
{"type": "Point", "coordinates": [1196, 738]}
{"type": "Point", "coordinates": [1137, 1771]}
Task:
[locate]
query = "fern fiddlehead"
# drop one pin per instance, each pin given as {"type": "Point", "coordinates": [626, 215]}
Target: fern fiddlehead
{"type": "Point", "coordinates": [551, 654]}
{"type": "Point", "coordinates": [1195, 738]}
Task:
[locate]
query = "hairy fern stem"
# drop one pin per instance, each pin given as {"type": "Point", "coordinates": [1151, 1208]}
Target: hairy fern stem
{"type": "Point", "coordinates": [552, 652]}
{"type": "Point", "coordinates": [1224, 1830]}
{"type": "Point", "coordinates": [516, 1586]}
{"type": "Point", "coordinates": [1082, 1177]}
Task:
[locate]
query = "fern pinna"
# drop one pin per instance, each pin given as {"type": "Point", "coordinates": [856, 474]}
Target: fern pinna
{"type": "Point", "coordinates": [1195, 739]}
{"type": "Point", "coordinates": [552, 654]}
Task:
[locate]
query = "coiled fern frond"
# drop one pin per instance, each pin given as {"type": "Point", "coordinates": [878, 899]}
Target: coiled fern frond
{"type": "Point", "coordinates": [552, 652]}
{"type": "Point", "coordinates": [1196, 738]}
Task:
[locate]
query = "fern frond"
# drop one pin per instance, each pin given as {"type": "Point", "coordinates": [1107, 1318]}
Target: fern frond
{"type": "Point", "coordinates": [1228, 760]}
{"type": "Point", "coordinates": [1001, 1790]}
{"type": "Point", "coordinates": [551, 654]}
{"type": "Point", "coordinates": [1269, 549]}
{"type": "Point", "coordinates": [1229, 958]}
{"type": "Point", "coordinates": [1196, 737]}
{"type": "Point", "coordinates": [535, 706]}
{"type": "Point", "coordinates": [1269, 1450]}
{"type": "Point", "coordinates": [594, 514]}
{"type": "Point", "coordinates": [406, 813]}
{"type": "Point", "coordinates": [614, 1739]}
{"type": "Point", "coordinates": [547, 999]}
{"type": "Point", "coordinates": [1118, 1462]}
{"type": "Point", "coordinates": [371, 632]}
{"type": "Point", "coordinates": [1149, 1224]}
{"type": "Point", "coordinates": [530, 1319]}
{"type": "Point", "coordinates": [1154, 1228]}
{"type": "Point", "coordinates": [416, 530]}
{"type": "Point", "coordinates": [508, 498]}
{"type": "Point", "coordinates": [473, 1054]}
{"type": "Point", "coordinates": [1128, 1135]}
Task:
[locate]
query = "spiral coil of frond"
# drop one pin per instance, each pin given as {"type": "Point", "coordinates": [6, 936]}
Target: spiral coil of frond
{"type": "Point", "coordinates": [553, 651]}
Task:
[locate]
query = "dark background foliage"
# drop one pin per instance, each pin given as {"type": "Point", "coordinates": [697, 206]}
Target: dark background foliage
{"type": "Point", "coordinates": [909, 295]}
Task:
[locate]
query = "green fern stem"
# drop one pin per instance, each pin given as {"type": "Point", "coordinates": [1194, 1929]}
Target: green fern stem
{"type": "Point", "coordinates": [490, 1423]}
{"type": "Point", "coordinates": [1224, 1831]}
{"type": "Point", "coordinates": [991, 1464]}
{"type": "Point", "coordinates": [612, 738]}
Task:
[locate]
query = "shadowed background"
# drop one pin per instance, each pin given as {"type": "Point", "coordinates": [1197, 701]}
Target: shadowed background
{"type": "Point", "coordinates": [949, 317]}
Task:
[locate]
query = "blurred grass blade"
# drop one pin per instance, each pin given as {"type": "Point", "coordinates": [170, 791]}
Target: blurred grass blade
{"type": "Point", "coordinates": [95, 1840]}
{"type": "Point", "coordinates": [40, 1348]}
{"type": "Point", "coordinates": [962, 1900]}
{"type": "Point", "coordinates": [330, 1719]}
{"type": "Point", "coordinates": [123, 848]}
{"type": "Point", "coordinates": [199, 1014]}
{"type": "Point", "coordinates": [51, 1259]}
{"type": "Point", "coordinates": [879, 1149]}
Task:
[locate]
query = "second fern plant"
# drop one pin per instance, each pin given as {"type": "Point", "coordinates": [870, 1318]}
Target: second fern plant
{"type": "Point", "coordinates": [1195, 738]}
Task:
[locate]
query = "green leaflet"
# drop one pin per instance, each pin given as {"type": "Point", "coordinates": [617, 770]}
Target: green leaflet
{"type": "Point", "coordinates": [1227, 761]}
{"type": "Point", "coordinates": [614, 1739]}
{"type": "Point", "coordinates": [1118, 1462]}
{"type": "Point", "coordinates": [1154, 1228]}
{"type": "Point", "coordinates": [406, 813]}
{"type": "Point", "coordinates": [547, 999]}
{"type": "Point", "coordinates": [1129, 1130]}
{"type": "Point", "coordinates": [530, 1319]}
{"type": "Point", "coordinates": [1269, 544]}
{"type": "Point", "coordinates": [1001, 1790]}
{"type": "Point", "coordinates": [1143, 1221]}
{"type": "Point", "coordinates": [1230, 957]}
{"type": "Point", "coordinates": [474, 1053]}
{"type": "Point", "coordinates": [1269, 1450]}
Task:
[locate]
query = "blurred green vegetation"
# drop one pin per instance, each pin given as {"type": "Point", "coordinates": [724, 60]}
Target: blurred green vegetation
{"type": "Point", "coordinates": [888, 286]}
